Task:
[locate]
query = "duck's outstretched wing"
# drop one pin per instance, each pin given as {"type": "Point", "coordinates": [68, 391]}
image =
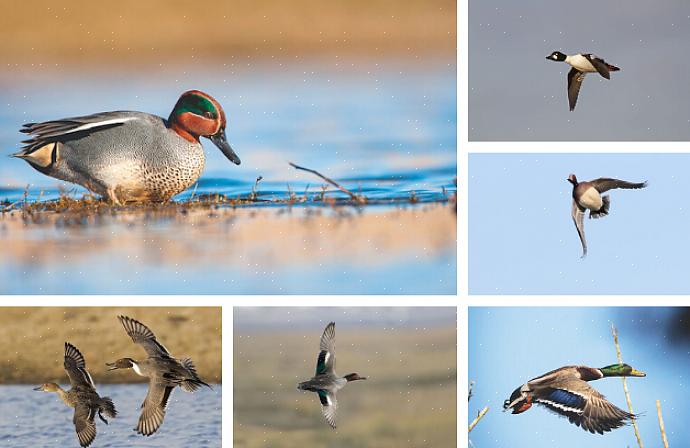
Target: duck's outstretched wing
{"type": "Point", "coordinates": [329, 406]}
{"type": "Point", "coordinates": [144, 337]}
{"type": "Point", "coordinates": [153, 408]}
{"type": "Point", "coordinates": [575, 78]}
{"type": "Point", "coordinates": [605, 184]}
{"type": "Point", "coordinates": [75, 366]}
{"type": "Point", "coordinates": [66, 129]}
{"type": "Point", "coordinates": [325, 363]}
{"type": "Point", "coordinates": [84, 424]}
{"type": "Point", "coordinates": [585, 408]}
{"type": "Point", "coordinates": [578, 216]}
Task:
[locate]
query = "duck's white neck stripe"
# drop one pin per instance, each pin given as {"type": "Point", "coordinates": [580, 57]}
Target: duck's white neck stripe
{"type": "Point", "coordinates": [136, 368]}
{"type": "Point", "coordinates": [98, 124]}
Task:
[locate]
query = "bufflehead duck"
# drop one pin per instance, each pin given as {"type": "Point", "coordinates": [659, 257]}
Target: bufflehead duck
{"type": "Point", "coordinates": [587, 196]}
{"type": "Point", "coordinates": [581, 65]}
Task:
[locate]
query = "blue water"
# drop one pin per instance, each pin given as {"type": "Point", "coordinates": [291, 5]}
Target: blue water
{"type": "Point", "coordinates": [29, 418]}
{"type": "Point", "coordinates": [383, 130]}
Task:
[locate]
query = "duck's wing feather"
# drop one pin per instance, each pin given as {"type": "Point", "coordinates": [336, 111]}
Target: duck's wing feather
{"type": "Point", "coordinates": [605, 184]}
{"type": "Point", "coordinates": [583, 406]}
{"type": "Point", "coordinates": [575, 78]}
{"type": "Point", "coordinates": [329, 406]}
{"type": "Point", "coordinates": [325, 363]}
{"type": "Point", "coordinates": [599, 65]}
{"type": "Point", "coordinates": [154, 406]}
{"type": "Point", "coordinates": [143, 336]}
{"type": "Point", "coordinates": [578, 216]}
{"type": "Point", "coordinates": [84, 424]}
{"type": "Point", "coordinates": [71, 128]}
{"type": "Point", "coordinates": [75, 366]}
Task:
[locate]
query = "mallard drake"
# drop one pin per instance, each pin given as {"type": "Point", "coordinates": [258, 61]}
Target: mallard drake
{"type": "Point", "coordinates": [82, 396]}
{"type": "Point", "coordinates": [565, 391]}
{"type": "Point", "coordinates": [163, 371]}
{"type": "Point", "coordinates": [326, 382]}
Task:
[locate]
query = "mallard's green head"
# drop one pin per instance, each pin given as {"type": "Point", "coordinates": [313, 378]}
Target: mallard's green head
{"type": "Point", "coordinates": [620, 370]}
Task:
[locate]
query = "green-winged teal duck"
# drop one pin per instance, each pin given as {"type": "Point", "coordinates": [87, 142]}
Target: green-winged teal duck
{"type": "Point", "coordinates": [565, 391]}
{"type": "Point", "coordinates": [587, 196]}
{"type": "Point", "coordinates": [82, 396]}
{"type": "Point", "coordinates": [326, 383]}
{"type": "Point", "coordinates": [163, 371]}
{"type": "Point", "coordinates": [130, 156]}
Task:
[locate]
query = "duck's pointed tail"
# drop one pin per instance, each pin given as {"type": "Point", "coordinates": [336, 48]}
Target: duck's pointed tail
{"type": "Point", "coordinates": [193, 383]}
{"type": "Point", "coordinates": [612, 68]}
{"type": "Point", "coordinates": [107, 407]}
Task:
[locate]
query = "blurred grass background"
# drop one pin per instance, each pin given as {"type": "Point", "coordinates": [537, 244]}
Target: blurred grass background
{"type": "Point", "coordinates": [32, 341]}
{"type": "Point", "coordinates": [44, 32]}
{"type": "Point", "coordinates": [409, 398]}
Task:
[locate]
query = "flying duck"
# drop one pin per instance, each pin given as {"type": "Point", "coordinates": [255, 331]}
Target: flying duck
{"type": "Point", "coordinates": [587, 196]}
{"type": "Point", "coordinates": [163, 371]}
{"type": "Point", "coordinates": [581, 65]}
{"type": "Point", "coordinates": [326, 382]}
{"type": "Point", "coordinates": [82, 396]}
{"type": "Point", "coordinates": [565, 391]}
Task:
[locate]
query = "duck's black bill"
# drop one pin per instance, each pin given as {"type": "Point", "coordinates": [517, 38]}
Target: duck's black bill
{"type": "Point", "coordinates": [221, 141]}
{"type": "Point", "coordinates": [111, 366]}
{"type": "Point", "coordinates": [39, 388]}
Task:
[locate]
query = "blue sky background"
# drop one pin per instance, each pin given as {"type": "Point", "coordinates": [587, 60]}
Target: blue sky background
{"type": "Point", "coordinates": [516, 94]}
{"type": "Point", "coordinates": [523, 241]}
{"type": "Point", "coordinates": [510, 346]}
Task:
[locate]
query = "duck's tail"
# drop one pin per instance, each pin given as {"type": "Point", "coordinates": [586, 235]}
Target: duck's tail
{"type": "Point", "coordinates": [604, 210]}
{"type": "Point", "coordinates": [107, 407]}
{"type": "Point", "coordinates": [193, 383]}
{"type": "Point", "coordinates": [612, 68]}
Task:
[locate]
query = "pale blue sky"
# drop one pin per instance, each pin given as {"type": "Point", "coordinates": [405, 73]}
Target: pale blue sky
{"type": "Point", "coordinates": [510, 346]}
{"type": "Point", "coordinates": [523, 241]}
{"type": "Point", "coordinates": [516, 94]}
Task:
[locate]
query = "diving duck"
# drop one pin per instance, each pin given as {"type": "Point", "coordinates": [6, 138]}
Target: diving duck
{"type": "Point", "coordinates": [82, 396]}
{"type": "Point", "coordinates": [163, 371]}
{"type": "Point", "coordinates": [130, 156]}
{"type": "Point", "coordinates": [587, 196]}
{"type": "Point", "coordinates": [581, 63]}
{"type": "Point", "coordinates": [565, 391]}
{"type": "Point", "coordinates": [326, 383]}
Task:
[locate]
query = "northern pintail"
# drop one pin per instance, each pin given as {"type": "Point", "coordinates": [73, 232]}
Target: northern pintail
{"type": "Point", "coordinates": [130, 156]}
{"type": "Point", "coordinates": [163, 371]}
{"type": "Point", "coordinates": [82, 396]}
{"type": "Point", "coordinates": [326, 383]}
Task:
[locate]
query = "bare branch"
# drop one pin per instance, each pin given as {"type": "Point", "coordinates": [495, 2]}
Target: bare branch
{"type": "Point", "coordinates": [481, 414]}
{"type": "Point", "coordinates": [614, 331]}
{"type": "Point", "coordinates": [661, 424]}
{"type": "Point", "coordinates": [355, 197]}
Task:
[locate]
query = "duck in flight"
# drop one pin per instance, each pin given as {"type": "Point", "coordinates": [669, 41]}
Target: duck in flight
{"type": "Point", "coordinates": [326, 383]}
{"type": "Point", "coordinates": [587, 196]}
{"type": "Point", "coordinates": [566, 392]}
{"type": "Point", "coordinates": [82, 396]}
{"type": "Point", "coordinates": [163, 371]}
{"type": "Point", "coordinates": [581, 65]}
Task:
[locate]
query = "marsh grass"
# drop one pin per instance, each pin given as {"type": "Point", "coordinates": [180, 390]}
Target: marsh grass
{"type": "Point", "coordinates": [409, 398]}
{"type": "Point", "coordinates": [32, 340]}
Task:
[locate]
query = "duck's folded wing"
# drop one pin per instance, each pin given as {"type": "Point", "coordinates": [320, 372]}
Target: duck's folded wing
{"type": "Point", "coordinates": [153, 408]}
{"type": "Point", "coordinates": [70, 128]}
{"type": "Point", "coordinates": [575, 78]}
{"type": "Point", "coordinates": [84, 424]}
{"type": "Point", "coordinates": [578, 216]}
{"type": "Point", "coordinates": [75, 366]}
{"type": "Point", "coordinates": [325, 362]}
{"type": "Point", "coordinates": [144, 337]}
{"type": "Point", "coordinates": [605, 184]}
{"type": "Point", "coordinates": [329, 406]}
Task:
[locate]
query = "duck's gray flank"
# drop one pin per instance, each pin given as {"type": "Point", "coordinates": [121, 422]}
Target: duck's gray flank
{"type": "Point", "coordinates": [164, 373]}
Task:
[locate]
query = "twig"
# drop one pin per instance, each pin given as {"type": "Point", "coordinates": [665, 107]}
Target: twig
{"type": "Point", "coordinates": [481, 414]}
{"type": "Point", "coordinates": [614, 331]}
{"type": "Point", "coordinates": [661, 424]}
{"type": "Point", "coordinates": [469, 393]}
{"type": "Point", "coordinates": [357, 198]}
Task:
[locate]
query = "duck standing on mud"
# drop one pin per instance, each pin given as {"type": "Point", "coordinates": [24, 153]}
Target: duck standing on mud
{"type": "Point", "coordinates": [326, 383]}
{"type": "Point", "coordinates": [128, 156]}
{"type": "Point", "coordinates": [82, 396]}
{"type": "Point", "coordinates": [164, 372]}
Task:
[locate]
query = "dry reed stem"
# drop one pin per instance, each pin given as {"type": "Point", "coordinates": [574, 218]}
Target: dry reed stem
{"type": "Point", "coordinates": [355, 197]}
{"type": "Point", "coordinates": [614, 331]}
{"type": "Point", "coordinates": [481, 414]}
{"type": "Point", "coordinates": [661, 424]}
